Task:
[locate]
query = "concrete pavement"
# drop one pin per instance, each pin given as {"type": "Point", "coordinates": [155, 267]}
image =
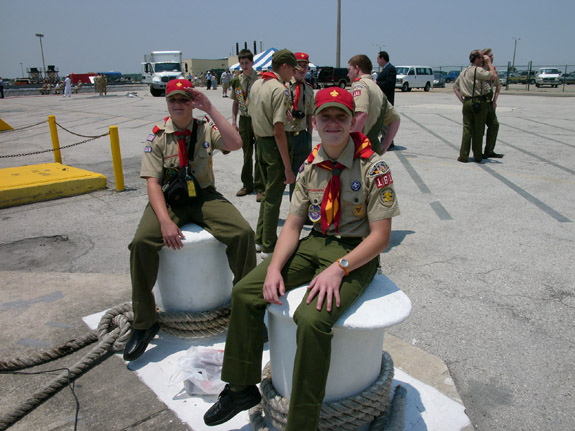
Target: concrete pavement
{"type": "Point", "coordinates": [483, 251]}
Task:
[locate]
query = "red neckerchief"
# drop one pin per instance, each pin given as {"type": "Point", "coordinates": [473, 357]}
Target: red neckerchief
{"type": "Point", "coordinates": [331, 202]}
{"type": "Point", "coordinates": [298, 86]}
{"type": "Point", "coordinates": [182, 151]}
{"type": "Point", "coordinates": [269, 75]}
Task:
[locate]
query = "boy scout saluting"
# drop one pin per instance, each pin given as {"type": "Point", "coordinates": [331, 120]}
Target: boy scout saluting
{"type": "Point", "coordinates": [372, 110]}
{"type": "Point", "coordinates": [299, 129]}
{"type": "Point", "coordinates": [347, 191]}
{"type": "Point", "coordinates": [269, 106]}
{"type": "Point", "coordinates": [180, 145]}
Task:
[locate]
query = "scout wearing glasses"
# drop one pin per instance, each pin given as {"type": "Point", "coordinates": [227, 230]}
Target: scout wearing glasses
{"type": "Point", "coordinates": [300, 128]}
{"type": "Point", "coordinates": [346, 189]}
{"type": "Point", "coordinates": [169, 149]}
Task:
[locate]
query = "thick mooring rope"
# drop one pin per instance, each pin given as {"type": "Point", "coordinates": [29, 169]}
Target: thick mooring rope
{"type": "Point", "coordinates": [113, 333]}
{"type": "Point", "coordinates": [340, 415]}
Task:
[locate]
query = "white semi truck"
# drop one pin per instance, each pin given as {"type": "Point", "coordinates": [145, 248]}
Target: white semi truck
{"type": "Point", "coordinates": [159, 68]}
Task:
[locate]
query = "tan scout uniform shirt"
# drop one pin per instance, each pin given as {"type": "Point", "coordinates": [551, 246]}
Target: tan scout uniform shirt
{"type": "Point", "coordinates": [366, 190]}
{"type": "Point", "coordinates": [270, 101]}
{"type": "Point", "coordinates": [368, 98]}
{"type": "Point", "coordinates": [306, 105]}
{"type": "Point", "coordinates": [161, 153]}
{"type": "Point", "coordinates": [242, 91]}
{"type": "Point", "coordinates": [464, 82]}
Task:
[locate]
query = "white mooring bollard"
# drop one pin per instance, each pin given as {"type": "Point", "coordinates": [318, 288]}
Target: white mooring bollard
{"type": "Point", "coordinates": [195, 278]}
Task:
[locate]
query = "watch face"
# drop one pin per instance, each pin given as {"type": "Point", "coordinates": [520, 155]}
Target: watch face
{"type": "Point", "coordinates": [344, 263]}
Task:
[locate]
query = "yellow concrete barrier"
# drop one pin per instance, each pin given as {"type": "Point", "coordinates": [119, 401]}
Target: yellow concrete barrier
{"type": "Point", "coordinates": [5, 126]}
{"type": "Point", "coordinates": [34, 183]}
{"type": "Point", "coordinates": [117, 158]}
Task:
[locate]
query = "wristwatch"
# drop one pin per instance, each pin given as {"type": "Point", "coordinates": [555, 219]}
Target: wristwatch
{"type": "Point", "coordinates": [344, 264]}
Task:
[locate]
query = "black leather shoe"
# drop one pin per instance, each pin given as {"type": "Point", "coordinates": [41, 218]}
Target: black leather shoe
{"type": "Point", "coordinates": [231, 403]}
{"type": "Point", "coordinates": [138, 341]}
{"type": "Point", "coordinates": [492, 156]}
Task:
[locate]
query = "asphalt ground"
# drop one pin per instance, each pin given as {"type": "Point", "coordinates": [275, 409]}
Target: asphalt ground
{"type": "Point", "coordinates": [482, 250]}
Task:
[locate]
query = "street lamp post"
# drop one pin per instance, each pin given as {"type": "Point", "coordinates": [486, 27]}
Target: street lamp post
{"type": "Point", "coordinates": [338, 45]}
{"type": "Point", "coordinates": [514, 49]}
{"type": "Point", "coordinates": [40, 36]}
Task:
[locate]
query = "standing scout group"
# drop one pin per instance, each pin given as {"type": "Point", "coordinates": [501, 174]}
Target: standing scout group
{"type": "Point", "coordinates": [343, 187]}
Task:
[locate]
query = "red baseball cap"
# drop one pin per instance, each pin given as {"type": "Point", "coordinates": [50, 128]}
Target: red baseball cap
{"type": "Point", "coordinates": [176, 86]}
{"type": "Point", "coordinates": [302, 56]}
{"type": "Point", "coordinates": [334, 97]}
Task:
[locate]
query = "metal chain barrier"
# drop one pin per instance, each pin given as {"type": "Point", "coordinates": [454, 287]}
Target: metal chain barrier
{"type": "Point", "coordinates": [23, 128]}
{"type": "Point", "coordinates": [77, 134]}
{"type": "Point", "coordinates": [32, 153]}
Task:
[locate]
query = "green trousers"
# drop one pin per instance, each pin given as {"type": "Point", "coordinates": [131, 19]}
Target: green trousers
{"type": "Point", "coordinates": [300, 147]}
{"type": "Point", "coordinates": [244, 343]}
{"type": "Point", "coordinates": [212, 212]}
{"type": "Point", "coordinates": [251, 175]}
{"type": "Point", "coordinates": [473, 128]}
{"type": "Point", "coordinates": [492, 129]}
{"type": "Point", "coordinates": [272, 169]}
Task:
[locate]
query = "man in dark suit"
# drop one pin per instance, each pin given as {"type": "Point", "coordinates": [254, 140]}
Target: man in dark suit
{"type": "Point", "coordinates": [386, 79]}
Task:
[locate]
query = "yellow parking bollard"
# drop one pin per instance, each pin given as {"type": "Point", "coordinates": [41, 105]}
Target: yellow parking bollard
{"type": "Point", "coordinates": [117, 158]}
{"type": "Point", "coordinates": [55, 140]}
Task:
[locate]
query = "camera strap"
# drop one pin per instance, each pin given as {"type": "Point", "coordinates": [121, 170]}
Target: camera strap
{"type": "Point", "coordinates": [473, 91]}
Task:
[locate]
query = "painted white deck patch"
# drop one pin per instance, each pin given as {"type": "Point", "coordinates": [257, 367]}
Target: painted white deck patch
{"type": "Point", "coordinates": [426, 409]}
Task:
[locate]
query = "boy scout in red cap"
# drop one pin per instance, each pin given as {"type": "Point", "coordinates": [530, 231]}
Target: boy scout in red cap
{"type": "Point", "coordinates": [300, 128]}
{"type": "Point", "coordinates": [346, 190]}
{"type": "Point", "coordinates": [182, 145]}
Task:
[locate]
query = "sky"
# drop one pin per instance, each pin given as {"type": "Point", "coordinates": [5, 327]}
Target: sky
{"type": "Point", "coordinates": [114, 35]}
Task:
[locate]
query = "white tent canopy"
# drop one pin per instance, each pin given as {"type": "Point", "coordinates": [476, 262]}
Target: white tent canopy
{"type": "Point", "coordinates": [263, 61]}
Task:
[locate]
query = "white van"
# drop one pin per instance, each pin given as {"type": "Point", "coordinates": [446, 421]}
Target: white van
{"type": "Point", "coordinates": [409, 77]}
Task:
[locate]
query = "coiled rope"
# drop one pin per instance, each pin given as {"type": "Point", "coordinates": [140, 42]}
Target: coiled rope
{"type": "Point", "coordinates": [369, 406]}
{"type": "Point", "coordinates": [112, 335]}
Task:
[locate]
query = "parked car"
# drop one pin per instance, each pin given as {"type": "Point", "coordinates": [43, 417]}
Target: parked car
{"type": "Point", "coordinates": [568, 78]}
{"type": "Point", "coordinates": [409, 77]}
{"type": "Point", "coordinates": [548, 76]}
{"type": "Point", "coordinates": [332, 76]}
{"type": "Point", "coordinates": [438, 79]}
{"type": "Point", "coordinates": [452, 76]}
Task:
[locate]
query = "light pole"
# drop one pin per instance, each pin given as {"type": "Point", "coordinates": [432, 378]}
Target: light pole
{"type": "Point", "coordinates": [514, 49]}
{"type": "Point", "coordinates": [338, 46]}
{"type": "Point", "coordinates": [22, 67]}
{"type": "Point", "coordinates": [40, 36]}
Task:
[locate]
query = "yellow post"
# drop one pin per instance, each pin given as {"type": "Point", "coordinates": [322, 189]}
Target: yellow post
{"type": "Point", "coordinates": [117, 158]}
{"type": "Point", "coordinates": [55, 140]}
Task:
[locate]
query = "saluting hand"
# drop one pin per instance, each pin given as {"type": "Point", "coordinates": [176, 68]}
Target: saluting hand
{"type": "Point", "coordinates": [199, 99]}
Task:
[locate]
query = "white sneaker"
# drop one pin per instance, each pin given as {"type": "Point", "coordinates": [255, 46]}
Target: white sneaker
{"type": "Point", "coordinates": [258, 248]}
{"type": "Point", "coordinates": [264, 256]}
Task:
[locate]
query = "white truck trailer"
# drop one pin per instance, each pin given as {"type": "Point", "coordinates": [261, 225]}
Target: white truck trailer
{"type": "Point", "coordinates": [159, 68]}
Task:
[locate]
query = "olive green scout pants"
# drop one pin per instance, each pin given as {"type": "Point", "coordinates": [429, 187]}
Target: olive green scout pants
{"type": "Point", "coordinates": [251, 176]}
{"type": "Point", "coordinates": [473, 128]}
{"type": "Point", "coordinates": [212, 212]}
{"type": "Point", "coordinates": [244, 344]}
{"type": "Point", "coordinates": [272, 169]}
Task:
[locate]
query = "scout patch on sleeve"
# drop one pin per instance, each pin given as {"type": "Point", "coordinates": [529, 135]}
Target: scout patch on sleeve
{"type": "Point", "coordinates": [387, 197]}
{"type": "Point", "coordinates": [356, 93]}
{"type": "Point", "coordinates": [147, 149]}
{"type": "Point", "coordinates": [151, 137]}
{"type": "Point", "coordinates": [383, 180]}
{"type": "Point", "coordinates": [378, 168]}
